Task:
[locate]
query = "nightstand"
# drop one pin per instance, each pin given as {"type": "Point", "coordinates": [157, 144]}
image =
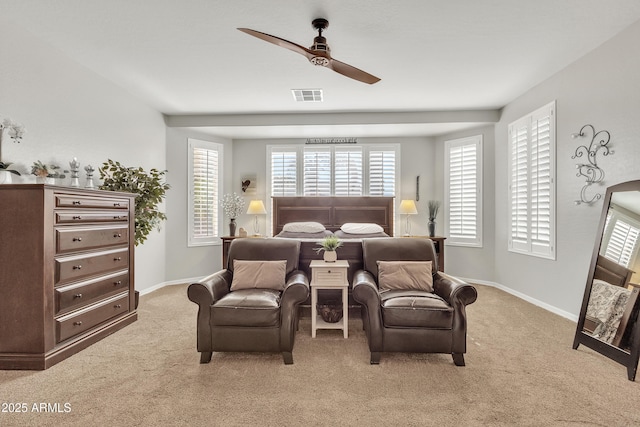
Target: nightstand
{"type": "Point", "coordinates": [329, 275]}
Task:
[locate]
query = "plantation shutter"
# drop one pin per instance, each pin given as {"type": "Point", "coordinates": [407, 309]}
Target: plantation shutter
{"type": "Point", "coordinates": [284, 173]}
{"type": "Point", "coordinates": [348, 172]}
{"type": "Point", "coordinates": [540, 183]}
{"type": "Point", "coordinates": [317, 173]}
{"type": "Point", "coordinates": [382, 173]}
{"type": "Point", "coordinates": [519, 186]}
{"type": "Point", "coordinates": [205, 193]}
{"type": "Point", "coordinates": [531, 183]}
{"type": "Point", "coordinates": [622, 243]}
{"type": "Point", "coordinates": [463, 186]}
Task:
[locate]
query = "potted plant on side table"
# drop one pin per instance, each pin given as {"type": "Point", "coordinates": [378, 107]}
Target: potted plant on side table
{"type": "Point", "coordinates": [329, 245]}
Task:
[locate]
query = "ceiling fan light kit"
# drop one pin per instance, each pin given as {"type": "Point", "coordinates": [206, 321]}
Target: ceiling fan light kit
{"type": "Point", "coordinates": [319, 53]}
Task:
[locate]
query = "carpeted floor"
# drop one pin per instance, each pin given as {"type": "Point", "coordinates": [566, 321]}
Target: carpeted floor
{"type": "Point", "coordinates": [520, 370]}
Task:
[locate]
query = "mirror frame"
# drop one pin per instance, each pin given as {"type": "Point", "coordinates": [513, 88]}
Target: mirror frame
{"type": "Point", "coordinates": [626, 358]}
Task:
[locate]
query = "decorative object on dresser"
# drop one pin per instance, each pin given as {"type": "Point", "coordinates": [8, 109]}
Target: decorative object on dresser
{"type": "Point", "coordinates": [407, 207]}
{"type": "Point", "coordinates": [15, 131]}
{"type": "Point", "coordinates": [67, 271]}
{"type": "Point", "coordinates": [252, 303]}
{"type": "Point", "coordinates": [405, 306]}
{"type": "Point", "coordinates": [45, 174]}
{"type": "Point", "coordinates": [256, 207]}
{"type": "Point", "coordinates": [74, 165]}
{"type": "Point", "coordinates": [89, 170]}
{"type": "Point", "coordinates": [149, 188]}
{"type": "Point", "coordinates": [233, 207]}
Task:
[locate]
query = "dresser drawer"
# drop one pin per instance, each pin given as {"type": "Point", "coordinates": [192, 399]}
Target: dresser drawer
{"type": "Point", "coordinates": [71, 268]}
{"type": "Point", "coordinates": [76, 239]}
{"type": "Point", "coordinates": [75, 296]}
{"type": "Point", "coordinates": [80, 321]}
{"type": "Point", "coordinates": [327, 276]}
{"type": "Point", "coordinates": [79, 217]}
{"type": "Point", "coordinates": [84, 202]}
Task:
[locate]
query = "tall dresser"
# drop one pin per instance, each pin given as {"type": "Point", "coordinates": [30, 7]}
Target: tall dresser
{"type": "Point", "coordinates": [66, 271]}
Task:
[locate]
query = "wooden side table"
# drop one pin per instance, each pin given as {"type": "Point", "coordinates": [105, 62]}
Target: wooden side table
{"type": "Point", "coordinates": [329, 275]}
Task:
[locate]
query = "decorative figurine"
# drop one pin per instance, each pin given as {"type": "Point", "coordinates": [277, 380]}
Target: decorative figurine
{"type": "Point", "coordinates": [75, 167]}
{"type": "Point", "coordinates": [90, 170]}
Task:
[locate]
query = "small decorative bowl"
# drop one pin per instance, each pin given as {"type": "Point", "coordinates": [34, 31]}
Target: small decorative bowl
{"type": "Point", "coordinates": [330, 313]}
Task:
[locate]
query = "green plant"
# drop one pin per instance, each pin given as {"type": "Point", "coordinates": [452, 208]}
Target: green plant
{"type": "Point", "coordinates": [329, 243]}
{"type": "Point", "coordinates": [5, 167]}
{"type": "Point", "coordinates": [434, 206]}
{"type": "Point", "coordinates": [149, 188]}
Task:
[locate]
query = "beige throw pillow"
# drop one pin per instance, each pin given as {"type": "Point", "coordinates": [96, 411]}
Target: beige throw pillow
{"type": "Point", "coordinates": [258, 274]}
{"type": "Point", "coordinates": [405, 275]}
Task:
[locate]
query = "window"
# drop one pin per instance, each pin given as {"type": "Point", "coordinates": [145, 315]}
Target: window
{"type": "Point", "coordinates": [205, 164]}
{"type": "Point", "coordinates": [333, 171]}
{"type": "Point", "coordinates": [621, 238]}
{"type": "Point", "coordinates": [463, 191]}
{"type": "Point", "coordinates": [532, 141]}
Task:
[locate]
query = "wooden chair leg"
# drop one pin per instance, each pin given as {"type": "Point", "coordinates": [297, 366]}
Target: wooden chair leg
{"type": "Point", "coordinates": [288, 357]}
{"type": "Point", "coordinates": [205, 356]}
{"type": "Point", "coordinates": [375, 358]}
{"type": "Point", "coordinates": [458, 359]}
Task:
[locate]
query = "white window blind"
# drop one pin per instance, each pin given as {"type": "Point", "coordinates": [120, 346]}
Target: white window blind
{"type": "Point", "coordinates": [531, 183]}
{"type": "Point", "coordinates": [348, 172]}
{"type": "Point", "coordinates": [382, 172]}
{"type": "Point", "coordinates": [340, 170]}
{"type": "Point", "coordinates": [621, 246]}
{"type": "Point", "coordinates": [204, 191]}
{"type": "Point", "coordinates": [463, 188]}
{"type": "Point", "coordinates": [317, 172]}
{"type": "Point", "coordinates": [284, 172]}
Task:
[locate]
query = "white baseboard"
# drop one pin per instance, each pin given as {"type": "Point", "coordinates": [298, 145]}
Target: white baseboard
{"type": "Point", "coordinates": [169, 283]}
{"type": "Point", "coordinates": [548, 307]}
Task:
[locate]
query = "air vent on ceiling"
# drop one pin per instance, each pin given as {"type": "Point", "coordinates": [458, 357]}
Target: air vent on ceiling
{"type": "Point", "coordinates": [307, 95]}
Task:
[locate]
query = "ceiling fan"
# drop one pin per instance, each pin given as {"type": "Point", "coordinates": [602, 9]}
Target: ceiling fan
{"type": "Point", "coordinates": [318, 53]}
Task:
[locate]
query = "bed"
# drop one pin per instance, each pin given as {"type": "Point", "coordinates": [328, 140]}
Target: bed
{"type": "Point", "coordinates": [612, 303]}
{"type": "Point", "coordinates": [333, 212]}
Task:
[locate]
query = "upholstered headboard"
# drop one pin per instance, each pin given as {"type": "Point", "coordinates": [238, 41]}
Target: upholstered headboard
{"type": "Point", "coordinates": [332, 212]}
{"type": "Point", "coordinates": [612, 272]}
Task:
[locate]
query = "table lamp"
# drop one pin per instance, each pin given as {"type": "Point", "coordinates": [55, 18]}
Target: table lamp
{"type": "Point", "coordinates": [256, 207]}
{"type": "Point", "coordinates": [407, 207]}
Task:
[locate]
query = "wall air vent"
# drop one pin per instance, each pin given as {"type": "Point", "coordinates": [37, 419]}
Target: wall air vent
{"type": "Point", "coordinates": [307, 95]}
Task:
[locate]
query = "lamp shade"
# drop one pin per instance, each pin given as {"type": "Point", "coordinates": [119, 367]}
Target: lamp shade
{"type": "Point", "coordinates": [408, 207]}
{"type": "Point", "coordinates": [256, 207]}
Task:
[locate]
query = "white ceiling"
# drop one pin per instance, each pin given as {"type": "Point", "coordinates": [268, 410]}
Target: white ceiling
{"type": "Point", "coordinates": [187, 57]}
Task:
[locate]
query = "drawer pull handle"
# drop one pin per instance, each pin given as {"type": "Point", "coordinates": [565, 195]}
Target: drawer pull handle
{"type": "Point", "coordinates": [76, 202]}
{"type": "Point", "coordinates": [77, 296]}
{"type": "Point", "coordinates": [115, 205]}
{"type": "Point", "coordinates": [77, 239]}
{"type": "Point", "coordinates": [117, 258]}
{"type": "Point", "coordinates": [77, 267]}
{"type": "Point", "coordinates": [329, 271]}
{"type": "Point", "coordinates": [117, 235]}
{"type": "Point", "coordinates": [79, 323]}
{"type": "Point", "coordinates": [117, 306]}
{"type": "Point", "coordinates": [118, 217]}
{"type": "Point", "coordinates": [76, 217]}
{"type": "Point", "coordinates": [119, 282]}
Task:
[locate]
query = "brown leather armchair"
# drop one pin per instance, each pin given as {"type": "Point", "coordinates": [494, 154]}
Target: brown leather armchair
{"type": "Point", "coordinates": [414, 321]}
{"type": "Point", "coordinates": [258, 319]}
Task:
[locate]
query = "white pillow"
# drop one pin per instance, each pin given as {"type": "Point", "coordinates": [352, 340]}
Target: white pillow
{"type": "Point", "coordinates": [303, 227]}
{"type": "Point", "coordinates": [361, 228]}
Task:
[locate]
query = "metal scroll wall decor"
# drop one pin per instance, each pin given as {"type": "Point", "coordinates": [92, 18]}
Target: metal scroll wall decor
{"type": "Point", "coordinates": [590, 170]}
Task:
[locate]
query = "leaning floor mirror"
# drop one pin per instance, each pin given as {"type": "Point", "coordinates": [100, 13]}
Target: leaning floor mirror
{"type": "Point", "coordinates": [608, 321]}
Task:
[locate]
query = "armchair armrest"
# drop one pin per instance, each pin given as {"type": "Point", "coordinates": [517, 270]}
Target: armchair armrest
{"type": "Point", "coordinates": [455, 291]}
{"type": "Point", "coordinates": [211, 288]}
{"type": "Point", "coordinates": [365, 291]}
{"type": "Point", "coordinates": [204, 293]}
{"type": "Point", "coordinates": [296, 291]}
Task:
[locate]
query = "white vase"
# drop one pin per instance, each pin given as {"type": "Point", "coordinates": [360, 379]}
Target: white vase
{"type": "Point", "coordinates": [5, 177]}
{"type": "Point", "coordinates": [330, 256]}
{"type": "Point", "coordinates": [45, 180]}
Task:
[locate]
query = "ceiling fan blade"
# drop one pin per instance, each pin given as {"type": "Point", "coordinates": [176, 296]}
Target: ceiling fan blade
{"type": "Point", "coordinates": [279, 42]}
{"type": "Point", "coordinates": [352, 72]}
